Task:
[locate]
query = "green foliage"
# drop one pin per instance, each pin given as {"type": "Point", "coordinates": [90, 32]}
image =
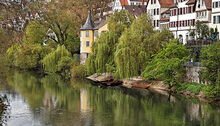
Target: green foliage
{"type": "Point", "coordinates": [192, 87]}
{"type": "Point", "coordinates": [58, 60]}
{"type": "Point", "coordinates": [102, 58]}
{"type": "Point", "coordinates": [210, 58]}
{"type": "Point", "coordinates": [78, 71]}
{"type": "Point", "coordinates": [72, 43]}
{"type": "Point", "coordinates": [35, 33]}
{"type": "Point", "coordinates": [6, 40]}
{"type": "Point", "coordinates": [126, 47]}
{"type": "Point", "coordinates": [11, 52]}
{"type": "Point", "coordinates": [65, 63]}
{"type": "Point", "coordinates": [167, 64]}
{"type": "Point", "coordinates": [57, 28]}
{"type": "Point", "coordinates": [90, 64]}
{"type": "Point", "coordinates": [26, 56]}
{"type": "Point", "coordinates": [62, 29]}
{"type": "Point", "coordinates": [119, 21]}
{"type": "Point", "coordinates": [202, 29]}
{"type": "Point", "coordinates": [137, 45]}
{"type": "Point", "coordinates": [211, 91]}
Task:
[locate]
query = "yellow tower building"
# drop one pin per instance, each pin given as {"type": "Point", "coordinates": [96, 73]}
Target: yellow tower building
{"type": "Point", "coordinates": [86, 38]}
{"type": "Point", "coordinates": [88, 33]}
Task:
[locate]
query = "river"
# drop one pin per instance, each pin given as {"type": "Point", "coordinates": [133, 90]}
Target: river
{"type": "Point", "coordinates": [50, 100]}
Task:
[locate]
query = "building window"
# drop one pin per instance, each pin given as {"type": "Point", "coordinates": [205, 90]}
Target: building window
{"type": "Point", "coordinates": [157, 11]}
{"type": "Point", "coordinates": [214, 19]}
{"type": "Point", "coordinates": [180, 11]}
{"type": "Point", "coordinates": [96, 33]}
{"type": "Point", "coordinates": [87, 43]}
{"type": "Point", "coordinates": [219, 19]}
{"type": "Point", "coordinates": [87, 55]}
{"type": "Point", "coordinates": [193, 22]}
{"type": "Point", "coordinates": [189, 9]}
{"type": "Point", "coordinates": [87, 33]}
{"type": "Point", "coordinates": [157, 23]}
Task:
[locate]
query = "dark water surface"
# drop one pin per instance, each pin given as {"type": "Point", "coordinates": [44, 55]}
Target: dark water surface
{"type": "Point", "coordinates": [50, 101]}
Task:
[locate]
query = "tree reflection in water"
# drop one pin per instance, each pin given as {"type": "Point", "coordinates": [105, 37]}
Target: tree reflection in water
{"type": "Point", "coordinates": [62, 102]}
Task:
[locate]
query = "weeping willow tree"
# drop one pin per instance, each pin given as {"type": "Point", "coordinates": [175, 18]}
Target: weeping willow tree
{"type": "Point", "coordinates": [102, 59]}
{"type": "Point", "coordinates": [51, 61]}
{"type": "Point", "coordinates": [137, 45]}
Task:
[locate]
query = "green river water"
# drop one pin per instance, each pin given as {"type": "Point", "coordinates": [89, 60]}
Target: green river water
{"type": "Point", "coordinates": [50, 100]}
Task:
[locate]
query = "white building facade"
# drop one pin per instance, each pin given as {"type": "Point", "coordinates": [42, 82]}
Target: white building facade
{"type": "Point", "coordinates": [182, 19]}
{"type": "Point", "coordinates": [204, 11]}
{"type": "Point", "coordinates": [215, 18]}
{"type": "Point", "coordinates": [155, 8]}
{"type": "Point", "coordinates": [118, 4]}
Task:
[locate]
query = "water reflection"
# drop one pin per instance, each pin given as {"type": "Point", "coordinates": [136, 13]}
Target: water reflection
{"type": "Point", "coordinates": [53, 101]}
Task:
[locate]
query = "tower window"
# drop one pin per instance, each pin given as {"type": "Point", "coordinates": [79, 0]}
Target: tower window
{"type": "Point", "coordinates": [96, 33]}
{"type": "Point", "coordinates": [87, 43]}
{"type": "Point", "coordinates": [87, 33]}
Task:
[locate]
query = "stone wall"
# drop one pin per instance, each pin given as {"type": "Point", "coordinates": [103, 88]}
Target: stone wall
{"type": "Point", "coordinates": [83, 57]}
{"type": "Point", "coordinates": [192, 74]}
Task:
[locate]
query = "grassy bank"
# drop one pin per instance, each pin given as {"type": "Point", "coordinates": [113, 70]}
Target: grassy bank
{"type": "Point", "coordinates": [200, 90]}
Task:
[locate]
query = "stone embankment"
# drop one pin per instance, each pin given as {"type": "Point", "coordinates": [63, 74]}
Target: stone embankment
{"type": "Point", "coordinates": [135, 82]}
{"type": "Point", "coordinates": [140, 84]}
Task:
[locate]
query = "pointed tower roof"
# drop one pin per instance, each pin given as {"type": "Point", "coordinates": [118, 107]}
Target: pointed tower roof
{"type": "Point", "coordinates": [89, 23]}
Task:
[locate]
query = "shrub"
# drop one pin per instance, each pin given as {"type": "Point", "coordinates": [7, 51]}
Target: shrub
{"type": "Point", "coordinates": [26, 56]}
{"type": "Point", "coordinates": [192, 87]}
{"type": "Point", "coordinates": [210, 58]}
{"type": "Point", "coordinates": [167, 64]}
{"type": "Point", "coordinates": [10, 54]}
{"type": "Point", "coordinates": [58, 60]}
{"type": "Point", "coordinates": [78, 71]}
{"type": "Point", "coordinates": [64, 63]}
{"type": "Point", "coordinates": [211, 91]}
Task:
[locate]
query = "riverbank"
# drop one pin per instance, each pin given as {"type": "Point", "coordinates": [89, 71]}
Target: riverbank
{"type": "Point", "coordinates": [154, 85]}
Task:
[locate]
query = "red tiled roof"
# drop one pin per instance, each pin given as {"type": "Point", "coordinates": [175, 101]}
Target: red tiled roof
{"type": "Point", "coordinates": [191, 2]}
{"type": "Point", "coordinates": [165, 19]}
{"type": "Point", "coordinates": [137, 0]}
{"type": "Point", "coordinates": [166, 3]}
{"type": "Point", "coordinates": [208, 4]}
{"type": "Point", "coordinates": [123, 2]}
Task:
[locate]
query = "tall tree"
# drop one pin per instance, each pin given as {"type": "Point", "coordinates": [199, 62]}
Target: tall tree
{"type": "Point", "coordinates": [210, 58]}
{"type": "Point", "coordinates": [35, 33]}
{"type": "Point", "coordinates": [167, 64]}
{"type": "Point", "coordinates": [137, 45]}
{"type": "Point", "coordinates": [102, 58]}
